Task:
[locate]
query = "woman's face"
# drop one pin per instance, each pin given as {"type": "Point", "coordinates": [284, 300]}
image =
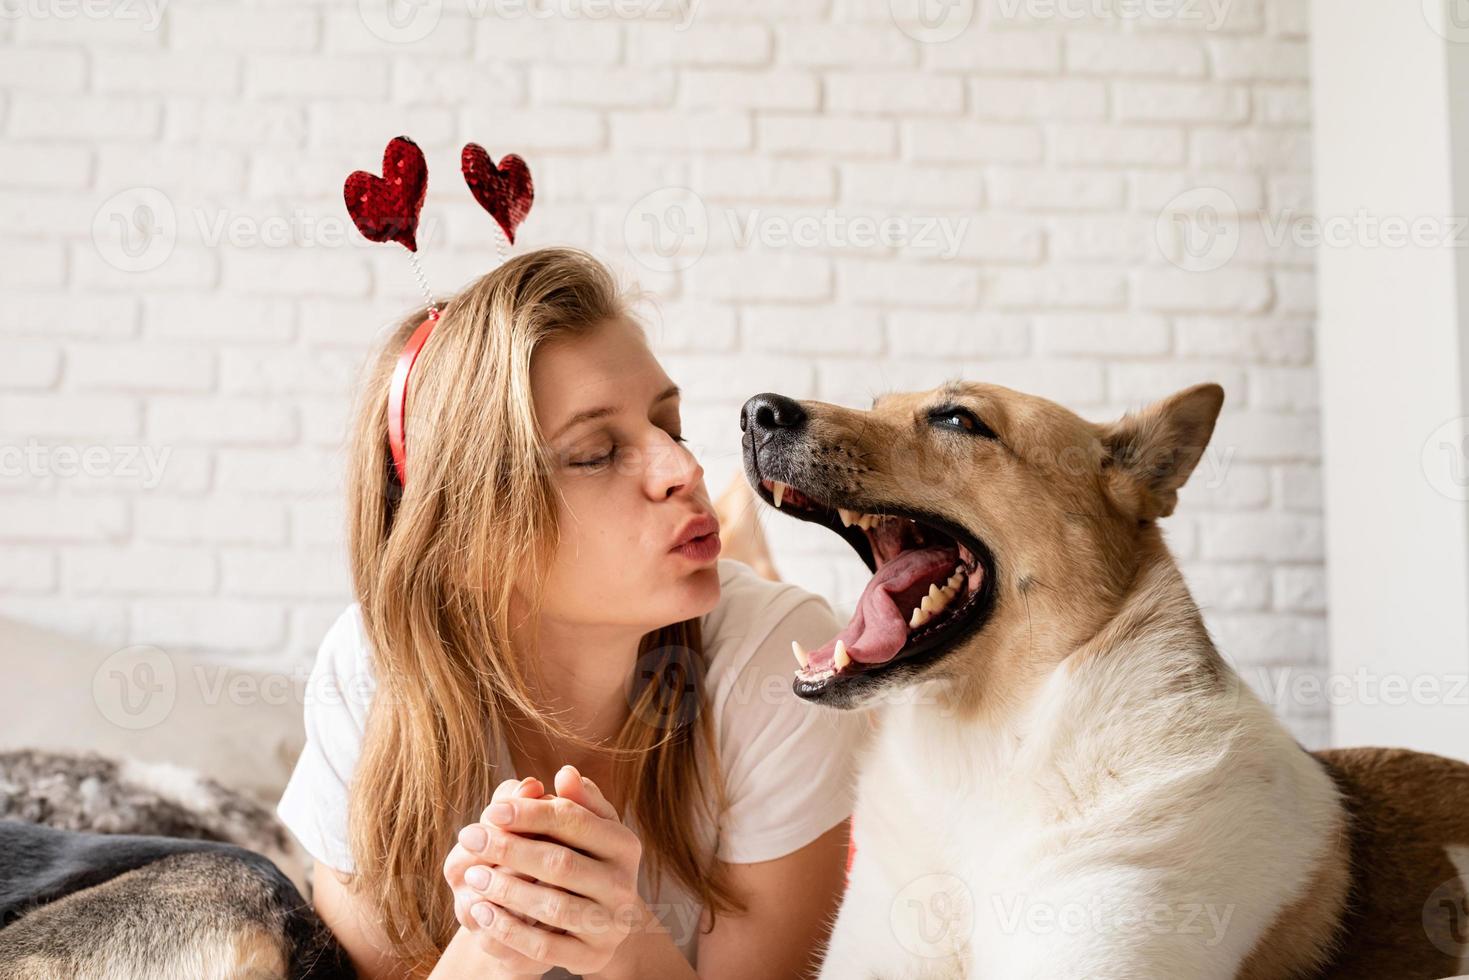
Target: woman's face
{"type": "Point", "coordinates": [630, 489]}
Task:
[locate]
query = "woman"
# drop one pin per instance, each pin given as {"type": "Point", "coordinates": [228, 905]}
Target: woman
{"type": "Point", "coordinates": [554, 735]}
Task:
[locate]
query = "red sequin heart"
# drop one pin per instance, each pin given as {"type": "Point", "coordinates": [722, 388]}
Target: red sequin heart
{"type": "Point", "coordinates": [505, 191]}
{"type": "Point", "coordinates": [385, 209]}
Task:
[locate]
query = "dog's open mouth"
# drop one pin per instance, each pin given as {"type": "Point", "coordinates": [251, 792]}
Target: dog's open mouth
{"type": "Point", "coordinates": [928, 588]}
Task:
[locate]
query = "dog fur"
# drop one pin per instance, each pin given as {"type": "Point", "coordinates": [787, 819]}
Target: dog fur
{"type": "Point", "coordinates": [178, 885]}
{"type": "Point", "coordinates": [1073, 782]}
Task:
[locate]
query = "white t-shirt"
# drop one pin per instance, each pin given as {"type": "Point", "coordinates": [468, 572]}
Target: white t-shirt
{"type": "Point", "coordinates": [788, 766]}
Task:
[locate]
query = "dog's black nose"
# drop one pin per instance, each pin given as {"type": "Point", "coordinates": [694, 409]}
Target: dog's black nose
{"type": "Point", "coordinates": [769, 413]}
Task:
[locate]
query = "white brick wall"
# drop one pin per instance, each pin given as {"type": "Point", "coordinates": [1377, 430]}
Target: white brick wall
{"type": "Point", "coordinates": [1046, 140]}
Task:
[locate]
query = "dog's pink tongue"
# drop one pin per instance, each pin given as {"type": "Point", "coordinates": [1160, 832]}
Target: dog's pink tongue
{"type": "Point", "coordinates": [879, 627]}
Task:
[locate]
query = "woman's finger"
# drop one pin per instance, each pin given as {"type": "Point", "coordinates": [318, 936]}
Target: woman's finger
{"type": "Point", "coordinates": [565, 822]}
{"type": "Point", "coordinates": [572, 785]}
{"type": "Point", "coordinates": [555, 864]}
{"type": "Point", "coordinates": [528, 940]}
{"type": "Point", "coordinates": [541, 903]}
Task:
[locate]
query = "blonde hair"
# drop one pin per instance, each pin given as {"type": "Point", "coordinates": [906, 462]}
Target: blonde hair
{"type": "Point", "coordinates": [434, 567]}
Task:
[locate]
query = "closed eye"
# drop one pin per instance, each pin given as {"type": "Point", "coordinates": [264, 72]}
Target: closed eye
{"type": "Point", "coordinates": [962, 419]}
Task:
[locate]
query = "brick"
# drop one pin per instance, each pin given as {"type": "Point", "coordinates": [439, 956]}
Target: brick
{"type": "Point", "coordinates": [174, 72]}
{"type": "Point", "coordinates": [279, 573]}
{"type": "Point", "coordinates": [664, 130]}
{"type": "Point", "coordinates": [542, 40]}
{"type": "Point", "coordinates": [107, 367]}
{"type": "Point", "coordinates": [996, 54]}
{"type": "Point", "coordinates": [618, 88]}
{"type": "Point", "coordinates": [138, 570]}
{"type": "Point", "coordinates": [213, 624]}
{"type": "Point", "coordinates": [50, 71]}
{"type": "Point", "coordinates": [28, 569]}
{"type": "Point", "coordinates": [62, 518]}
{"type": "Point", "coordinates": [1039, 190]}
{"type": "Point", "coordinates": [1090, 334]}
{"type": "Point", "coordinates": [843, 45]}
{"type": "Point", "coordinates": [1177, 102]}
{"type": "Point", "coordinates": [220, 421]}
{"type": "Point", "coordinates": [222, 520]}
{"type": "Point", "coordinates": [1057, 288]}
{"type": "Point", "coordinates": [1256, 60]}
{"type": "Point", "coordinates": [1219, 291]}
{"type": "Point", "coordinates": [885, 92]}
{"type": "Point", "coordinates": [1117, 54]}
{"type": "Point", "coordinates": [30, 365]}
{"type": "Point", "coordinates": [928, 285]}
{"type": "Point", "coordinates": [813, 330]}
{"type": "Point", "coordinates": [1286, 151]}
{"type": "Point", "coordinates": [826, 136]}
{"type": "Point", "coordinates": [1037, 99]}
{"type": "Point", "coordinates": [1118, 145]}
{"type": "Point", "coordinates": [236, 29]}
{"type": "Point", "coordinates": [995, 335]}
{"type": "Point", "coordinates": [760, 277]}
{"type": "Point", "coordinates": [776, 88]}
{"type": "Point", "coordinates": [304, 76]}
{"type": "Point", "coordinates": [948, 141]}
{"type": "Point", "coordinates": [1270, 341]}
{"type": "Point", "coordinates": [75, 415]}
{"type": "Point", "coordinates": [910, 186]}
{"type": "Point", "coordinates": [1263, 537]}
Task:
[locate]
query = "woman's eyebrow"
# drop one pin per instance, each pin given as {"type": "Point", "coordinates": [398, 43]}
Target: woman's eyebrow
{"type": "Point", "coordinates": [592, 414]}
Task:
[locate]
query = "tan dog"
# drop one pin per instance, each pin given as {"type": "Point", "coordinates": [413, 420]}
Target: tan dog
{"type": "Point", "coordinates": [1067, 781]}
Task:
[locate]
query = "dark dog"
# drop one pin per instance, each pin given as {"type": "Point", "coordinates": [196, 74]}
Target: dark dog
{"type": "Point", "coordinates": [125, 905]}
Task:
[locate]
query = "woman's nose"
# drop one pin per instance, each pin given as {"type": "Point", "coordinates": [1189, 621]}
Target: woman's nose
{"type": "Point", "coordinates": [677, 468]}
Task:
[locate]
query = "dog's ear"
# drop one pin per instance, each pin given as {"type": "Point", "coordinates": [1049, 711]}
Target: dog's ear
{"type": "Point", "coordinates": [1150, 454]}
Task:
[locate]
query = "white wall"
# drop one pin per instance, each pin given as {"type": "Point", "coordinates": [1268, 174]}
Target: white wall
{"type": "Point", "coordinates": [1059, 130]}
{"type": "Point", "coordinates": [1392, 109]}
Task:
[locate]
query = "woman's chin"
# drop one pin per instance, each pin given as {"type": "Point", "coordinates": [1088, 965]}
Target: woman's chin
{"type": "Point", "coordinates": [697, 593]}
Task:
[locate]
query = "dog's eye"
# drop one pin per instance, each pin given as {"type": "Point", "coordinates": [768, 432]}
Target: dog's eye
{"type": "Point", "coordinates": [963, 419]}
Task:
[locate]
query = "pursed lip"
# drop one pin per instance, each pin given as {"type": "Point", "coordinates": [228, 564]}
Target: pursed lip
{"type": "Point", "coordinates": [696, 528]}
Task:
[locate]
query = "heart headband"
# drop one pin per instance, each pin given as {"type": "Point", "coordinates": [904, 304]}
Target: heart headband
{"type": "Point", "coordinates": [386, 209]}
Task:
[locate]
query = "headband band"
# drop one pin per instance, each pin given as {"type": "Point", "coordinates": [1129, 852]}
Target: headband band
{"type": "Point", "coordinates": [398, 395]}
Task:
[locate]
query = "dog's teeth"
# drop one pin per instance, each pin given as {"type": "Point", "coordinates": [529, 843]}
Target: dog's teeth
{"type": "Point", "coordinates": [935, 593]}
{"type": "Point", "coordinates": [849, 517]}
{"type": "Point", "coordinates": [920, 617]}
{"type": "Point", "coordinates": [778, 492]}
{"type": "Point", "coordinates": [802, 657]}
{"type": "Point", "coordinates": [927, 605]}
{"type": "Point", "coordinates": [842, 657]}
{"type": "Point", "coordinates": [955, 579]}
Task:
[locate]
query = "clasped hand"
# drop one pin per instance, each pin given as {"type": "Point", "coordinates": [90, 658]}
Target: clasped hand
{"type": "Point", "coordinates": [547, 880]}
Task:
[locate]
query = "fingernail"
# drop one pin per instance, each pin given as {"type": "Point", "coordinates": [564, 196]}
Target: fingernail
{"type": "Point", "coordinates": [482, 913]}
{"type": "Point", "coordinates": [474, 837]}
{"type": "Point", "coordinates": [477, 877]}
{"type": "Point", "coordinates": [501, 813]}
